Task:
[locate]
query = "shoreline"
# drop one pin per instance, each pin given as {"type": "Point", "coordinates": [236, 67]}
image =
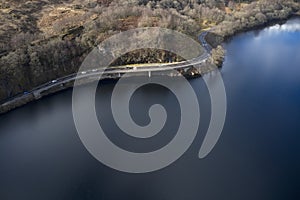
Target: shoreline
{"type": "Point", "coordinates": [215, 39]}
{"type": "Point", "coordinates": [27, 98]}
{"type": "Point", "coordinates": [191, 73]}
{"type": "Point", "coordinates": [263, 26]}
{"type": "Point", "coordinates": [24, 100]}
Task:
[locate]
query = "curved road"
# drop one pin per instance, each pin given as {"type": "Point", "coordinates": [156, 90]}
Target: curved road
{"type": "Point", "coordinates": [117, 70]}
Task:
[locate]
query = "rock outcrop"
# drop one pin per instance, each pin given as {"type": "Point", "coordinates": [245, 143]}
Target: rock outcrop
{"type": "Point", "coordinates": [218, 56]}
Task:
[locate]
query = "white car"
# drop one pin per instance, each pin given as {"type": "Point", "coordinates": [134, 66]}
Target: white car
{"type": "Point", "coordinates": [53, 81]}
{"type": "Point", "coordinates": [84, 72]}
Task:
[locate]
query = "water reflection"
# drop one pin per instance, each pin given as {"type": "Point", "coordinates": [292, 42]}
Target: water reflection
{"type": "Point", "coordinates": [291, 26]}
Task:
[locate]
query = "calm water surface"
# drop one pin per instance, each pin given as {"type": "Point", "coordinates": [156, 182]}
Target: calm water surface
{"type": "Point", "coordinates": [257, 156]}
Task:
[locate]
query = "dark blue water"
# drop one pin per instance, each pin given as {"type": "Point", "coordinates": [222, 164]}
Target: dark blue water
{"type": "Point", "coordinates": [257, 156]}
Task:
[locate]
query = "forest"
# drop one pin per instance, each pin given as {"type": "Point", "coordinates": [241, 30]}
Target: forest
{"type": "Point", "coordinates": [42, 40]}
